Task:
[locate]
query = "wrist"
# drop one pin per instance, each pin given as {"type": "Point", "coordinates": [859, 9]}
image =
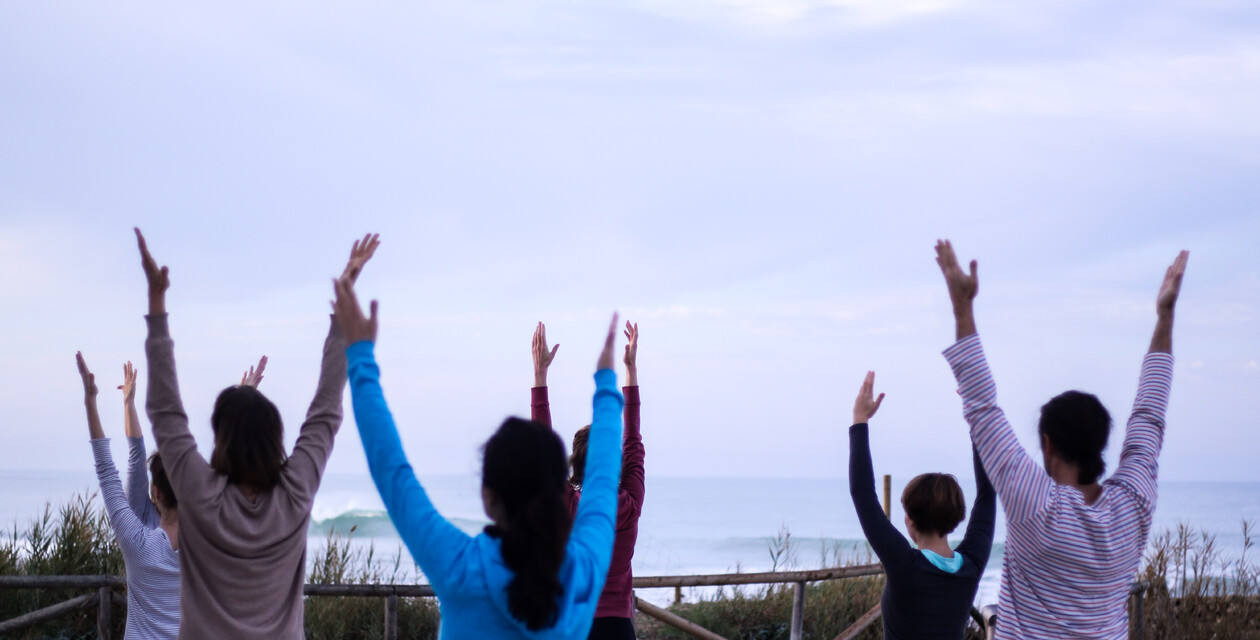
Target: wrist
{"type": "Point", "coordinates": [1164, 314]}
{"type": "Point", "coordinates": [540, 379]}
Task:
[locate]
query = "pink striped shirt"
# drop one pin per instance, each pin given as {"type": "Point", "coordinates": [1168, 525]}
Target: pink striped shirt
{"type": "Point", "coordinates": [1068, 565]}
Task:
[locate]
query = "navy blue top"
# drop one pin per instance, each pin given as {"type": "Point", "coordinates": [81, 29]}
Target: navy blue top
{"type": "Point", "coordinates": [920, 600]}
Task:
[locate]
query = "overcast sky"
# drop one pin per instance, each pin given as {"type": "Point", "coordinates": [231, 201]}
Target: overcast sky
{"type": "Point", "coordinates": [758, 183]}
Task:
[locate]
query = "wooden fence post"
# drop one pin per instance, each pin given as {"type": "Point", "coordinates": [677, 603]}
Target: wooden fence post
{"type": "Point", "coordinates": [798, 612]}
{"type": "Point", "coordinates": [391, 617]}
{"type": "Point", "coordinates": [104, 613]}
{"type": "Point", "coordinates": [887, 496]}
{"type": "Point", "coordinates": [677, 595]}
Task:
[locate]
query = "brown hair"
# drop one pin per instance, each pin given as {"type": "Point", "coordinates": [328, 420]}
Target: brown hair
{"type": "Point", "coordinates": [162, 483]}
{"type": "Point", "coordinates": [934, 503]}
{"type": "Point", "coordinates": [578, 460]}
{"type": "Point", "coordinates": [248, 438]}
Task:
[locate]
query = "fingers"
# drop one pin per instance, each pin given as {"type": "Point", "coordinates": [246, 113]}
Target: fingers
{"type": "Point", "coordinates": [612, 333]}
{"type": "Point", "coordinates": [878, 401]}
{"type": "Point", "coordinates": [78, 360]}
{"type": "Point", "coordinates": [554, 350]}
{"type": "Point", "coordinates": [372, 317]}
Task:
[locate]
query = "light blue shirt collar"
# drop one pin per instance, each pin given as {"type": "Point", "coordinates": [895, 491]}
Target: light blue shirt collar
{"type": "Point", "coordinates": [948, 565]}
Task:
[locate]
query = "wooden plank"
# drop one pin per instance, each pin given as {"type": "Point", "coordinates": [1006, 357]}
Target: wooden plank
{"type": "Point", "coordinates": [391, 618]}
{"type": "Point", "coordinates": [721, 579]}
{"type": "Point", "coordinates": [887, 496]}
{"type": "Point", "coordinates": [48, 613]}
{"type": "Point", "coordinates": [675, 621]}
{"type": "Point", "coordinates": [370, 590]}
{"type": "Point", "coordinates": [61, 582]}
{"type": "Point", "coordinates": [104, 613]}
{"type": "Point", "coordinates": [797, 631]}
{"type": "Point", "coordinates": [862, 623]}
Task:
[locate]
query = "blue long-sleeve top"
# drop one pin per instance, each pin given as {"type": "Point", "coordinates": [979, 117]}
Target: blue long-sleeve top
{"type": "Point", "coordinates": [467, 572]}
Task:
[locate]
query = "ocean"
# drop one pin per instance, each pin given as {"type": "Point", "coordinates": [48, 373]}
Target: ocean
{"type": "Point", "coordinates": [689, 525]}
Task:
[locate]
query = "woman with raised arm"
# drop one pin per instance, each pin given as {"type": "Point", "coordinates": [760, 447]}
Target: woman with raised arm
{"type": "Point", "coordinates": [244, 513]}
{"type": "Point", "coordinates": [615, 613]}
{"type": "Point", "coordinates": [929, 590]}
{"type": "Point", "coordinates": [1073, 544]}
{"type": "Point", "coordinates": [528, 575]}
{"type": "Point", "coordinates": [147, 532]}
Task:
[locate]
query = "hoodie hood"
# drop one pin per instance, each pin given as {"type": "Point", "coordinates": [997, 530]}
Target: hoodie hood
{"type": "Point", "coordinates": [576, 610]}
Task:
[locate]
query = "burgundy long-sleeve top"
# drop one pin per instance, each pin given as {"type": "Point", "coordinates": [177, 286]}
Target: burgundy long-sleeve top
{"type": "Point", "coordinates": [617, 599]}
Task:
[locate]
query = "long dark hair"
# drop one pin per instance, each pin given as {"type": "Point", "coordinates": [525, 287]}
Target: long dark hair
{"type": "Point", "coordinates": [1078, 425]}
{"type": "Point", "coordinates": [524, 465]}
{"type": "Point", "coordinates": [248, 438]}
{"type": "Point", "coordinates": [577, 460]}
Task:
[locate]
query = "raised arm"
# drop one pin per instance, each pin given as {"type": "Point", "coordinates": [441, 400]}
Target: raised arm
{"type": "Point", "coordinates": [126, 525]}
{"type": "Point", "coordinates": [978, 541]}
{"type": "Point", "coordinates": [1021, 483]}
{"type": "Point", "coordinates": [187, 470]}
{"type": "Point", "coordinates": [594, 523]}
{"type": "Point", "coordinates": [892, 548]}
{"type": "Point", "coordinates": [314, 444]}
{"type": "Point", "coordinates": [434, 543]}
{"type": "Point", "coordinates": [95, 432]}
{"type": "Point", "coordinates": [539, 405]}
{"type": "Point", "coordinates": [630, 498]}
{"type": "Point", "coordinates": [1144, 436]}
{"type": "Point", "coordinates": [137, 487]}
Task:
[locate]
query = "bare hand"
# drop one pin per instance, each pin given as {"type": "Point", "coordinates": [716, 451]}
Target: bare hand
{"type": "Point", "coordinates": [867, 404]}
{"type": "Point", "coordinates": [354, 325]}
{"type": "Point", "coordinates": [254, 376]}
{"type": "Point", "coordinates": [632, 344]}
{"type": "Point", "coordinates": [158, 277]}
{"type": "Point", "coordinates": [1166, 301]}
{"type": "Point", "coordinates": [606, 356]}
{"type": "Point", "coordinates": [129, 383]}
{"type": "Point", "coordinates": [360, 253]}
{"type": "Point", "coordinates": [89, 380]}
{"type": "Point", "coordinates": [542, 356]}
{"type": "Point", "coordinates": [962, 287]}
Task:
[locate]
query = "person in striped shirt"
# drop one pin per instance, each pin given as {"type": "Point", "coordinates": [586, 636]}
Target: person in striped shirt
{"type": "Point", "coordinates": [1073, 543]}
{"type": "Point", "coordinates": [147, 531]}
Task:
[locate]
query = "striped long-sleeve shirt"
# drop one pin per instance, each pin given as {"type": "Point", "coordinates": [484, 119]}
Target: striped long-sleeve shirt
{"type": "Point", "coordinates": [152, 565]}
{"type": "Point", "coordinates": [1068, 565]}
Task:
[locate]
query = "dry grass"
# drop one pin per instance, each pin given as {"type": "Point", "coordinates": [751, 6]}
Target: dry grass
{"type": "Point", "coordinates": [1198, 593]}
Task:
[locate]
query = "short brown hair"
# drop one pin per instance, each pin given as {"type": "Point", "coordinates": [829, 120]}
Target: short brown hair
{"type": "Point", "coordinates": [578, 460]}
{"type": "Point", "coordinates": [162, 482]}
{"type": "Point", "coordinates": [934, 503]}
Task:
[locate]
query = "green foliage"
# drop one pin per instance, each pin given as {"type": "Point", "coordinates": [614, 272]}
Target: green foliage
{"type": "Point", "coordinates": [73, 540]}
{"type": "Point", "coordinates": [353, 618]}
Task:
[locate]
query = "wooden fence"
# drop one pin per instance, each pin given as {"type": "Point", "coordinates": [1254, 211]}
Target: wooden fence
{"type": "Point", "coordinates": [101, 593]}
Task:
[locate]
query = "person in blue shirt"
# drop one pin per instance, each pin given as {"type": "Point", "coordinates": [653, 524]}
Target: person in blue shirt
{"type": "Point", "coordinates": [528, 575]}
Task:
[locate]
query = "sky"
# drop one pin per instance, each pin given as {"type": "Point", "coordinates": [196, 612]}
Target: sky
{"type": "Point", "coordinates": [759, 184]}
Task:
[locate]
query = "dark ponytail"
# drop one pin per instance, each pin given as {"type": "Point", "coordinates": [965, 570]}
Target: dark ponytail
{"type": "Point", "coordinates": [525, 467]}
{"type": "Point", "coordinates": [1078, 425]}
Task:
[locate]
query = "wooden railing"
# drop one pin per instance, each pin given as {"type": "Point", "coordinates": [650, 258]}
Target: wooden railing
{"type": "Point", "coordinates": [102, 594]}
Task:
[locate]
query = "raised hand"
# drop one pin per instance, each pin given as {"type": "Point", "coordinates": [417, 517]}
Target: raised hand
{"type": "Point", "coordinates": [1166, 301]}
{"type": "Point", "coordinates": [962, 288]}
{"type": "Point", "coordinates": [89, 397]}
{"type": "Point", "coordinates": [89, 379]}
{"type": "Point", "coordinates": [542, 356]}
{"type": "Point", "coordinates": [360, 253]}
{"type": "Point", "coordinates": [354, 325]}
{"type": "Point", "coordinates": [631, 354]}
{"type": "Point", "coordinates": [866, 404]}
{"type": "Point", "coordinates": [158, 277]}
{"type": "Point", "coordinates": [254, 376]}
{"type": "Point", "coordinates": [129, 383]}
{"type": "Point", "coordinates": [606, 356]}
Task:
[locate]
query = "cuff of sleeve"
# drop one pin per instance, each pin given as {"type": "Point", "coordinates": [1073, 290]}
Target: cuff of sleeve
{"type": "Point", "coordinates": [538, 395]}
{"type": "Point", "coordinates": [158, 327]}
{"type": "Point", "coordinates": [631, 394]}
{"type": "Point", "coordinates": [1158, 357]}
{"type": "Point", "coordinates": [100, 448]}
{"type": "Point", "coordinates": [606, 379]}
{"type": "Point", "coordinates": [135, 442]}
{"type": "Point", "coordinates": [956, 350]}
{"type": "Point", "coordinates": [861, 426]}
{"type": "Point", "coordinates": [361, 350]}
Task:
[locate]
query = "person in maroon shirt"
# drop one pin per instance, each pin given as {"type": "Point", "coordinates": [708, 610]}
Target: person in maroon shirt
{"type": "Point", "coordinates": [613, 615]}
